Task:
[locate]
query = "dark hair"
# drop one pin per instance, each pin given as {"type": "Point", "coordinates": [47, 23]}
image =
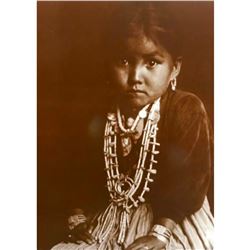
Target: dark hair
{"type": "Point", "coordinates": [155, 20]}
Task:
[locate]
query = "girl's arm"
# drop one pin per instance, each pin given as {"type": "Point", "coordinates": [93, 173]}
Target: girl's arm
{"type": "Point", "coordinates": [184, 168]}
{"type": "Point", "coordinates": [185, 164]}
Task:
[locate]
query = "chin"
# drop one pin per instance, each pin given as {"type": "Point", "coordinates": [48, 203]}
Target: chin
{"type": "Point", "coordinates": [138, 103]}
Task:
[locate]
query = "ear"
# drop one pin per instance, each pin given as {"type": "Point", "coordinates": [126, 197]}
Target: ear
{"type": "Point", "coordinates": [176, 68]}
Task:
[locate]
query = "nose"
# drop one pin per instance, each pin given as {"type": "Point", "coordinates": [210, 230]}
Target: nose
{"type": "Point", "coordinates": [135, 74]}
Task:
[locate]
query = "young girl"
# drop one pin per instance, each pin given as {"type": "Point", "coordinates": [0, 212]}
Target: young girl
{"type": "Point", "coordinates": [156, 147]}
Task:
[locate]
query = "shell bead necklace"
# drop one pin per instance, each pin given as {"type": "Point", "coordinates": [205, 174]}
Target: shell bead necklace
{"type": "Point", "coordinates": [126, 191]}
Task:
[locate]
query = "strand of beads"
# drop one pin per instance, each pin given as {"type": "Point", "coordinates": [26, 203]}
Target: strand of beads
{"type": "Point", "coordinates": [115, 180]}
{"type": "Point", "coordinates": [108, 152]}
{"type": "Point", "coordinates": [112, 161]}
{"type": "Point", "coordinates": [141, 115]}
{"type": "Point", "coordinates": [149, 139]}
{"type": "Point", "coordinates": [107, 222]}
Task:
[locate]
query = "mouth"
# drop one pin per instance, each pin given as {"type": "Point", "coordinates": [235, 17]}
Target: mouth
{"type": "Point", "coordinates": [136, 92]}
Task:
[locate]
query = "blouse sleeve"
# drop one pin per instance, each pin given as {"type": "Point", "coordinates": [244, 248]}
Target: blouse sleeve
{"type": "Point", "coordinates": [185, 162]}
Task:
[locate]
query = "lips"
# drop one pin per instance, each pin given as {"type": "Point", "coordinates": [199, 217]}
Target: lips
{"type": "Point", "coordinates": [136, 91]}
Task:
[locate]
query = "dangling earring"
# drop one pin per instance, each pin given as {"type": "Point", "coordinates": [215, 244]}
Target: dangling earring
{"type": "Point", "coordinates": [173, 84]}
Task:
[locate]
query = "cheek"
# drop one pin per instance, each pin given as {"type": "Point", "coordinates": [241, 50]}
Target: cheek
{"type": "Point", "coordinates": [161, 78]}
{"type": "Point", "coordinates": [119, 77]}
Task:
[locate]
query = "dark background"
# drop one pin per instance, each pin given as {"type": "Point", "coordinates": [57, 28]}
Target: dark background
{"type": "Point", "coordinates": [71, 87]}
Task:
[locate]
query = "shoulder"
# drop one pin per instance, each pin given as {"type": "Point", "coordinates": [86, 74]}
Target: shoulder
{"type": "Point", "coordinates": [179, 103]}
{"type": "Point", "coordinates": [182, 109]}
{"type": "Point", "coordinates": [187, 102]}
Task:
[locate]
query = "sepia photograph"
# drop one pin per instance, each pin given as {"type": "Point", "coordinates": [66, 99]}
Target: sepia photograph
{"type": "Point", "coordinates": [125, 121]}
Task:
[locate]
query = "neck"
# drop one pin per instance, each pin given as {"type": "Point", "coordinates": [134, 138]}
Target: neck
{"type": "Point", "coordinates": [129, 111]}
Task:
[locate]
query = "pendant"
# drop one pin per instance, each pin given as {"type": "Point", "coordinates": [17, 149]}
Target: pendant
{"type": "Point", "coordinates": [126, 145]}
{"type": "Point", "coordinates": [143, 114]}
{"type": "Point", "coordinates": [154, 117]}
{"type": "Point", "coordinates": [139, 130]}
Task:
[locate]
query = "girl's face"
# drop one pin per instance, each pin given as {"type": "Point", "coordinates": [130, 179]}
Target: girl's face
{"type": "Point", "coordinates": [141, 71]}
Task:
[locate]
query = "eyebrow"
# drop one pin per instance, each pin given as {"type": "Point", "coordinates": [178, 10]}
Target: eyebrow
{"type": "Point", "coordinates": [153, 53]}
{"type": "Point", "coordinates": [146, 55]}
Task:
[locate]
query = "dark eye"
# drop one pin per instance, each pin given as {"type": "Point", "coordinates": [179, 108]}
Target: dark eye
{"type": "Point", "coordinates": [152, 63]}
{"type": "Point", "coordinates": [124, 61]}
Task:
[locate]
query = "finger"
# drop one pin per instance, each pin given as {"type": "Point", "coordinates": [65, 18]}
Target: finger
{"type": "Point", "coordinates": [87, 237]}
{"type": "Point", "coordinates": [136, 246]}
{"type": "Point", "coordinates": [71, 238]}
{"type": "Point", "coordinates": [89, 241]}
{"type": "Point", "coordinates": [144, 247]}
{"type": "Point", "coordinates": [90, 238]}
{"type": "Point", "coordinates": [81, 234]}
{"type": "Point", "coordinates": [79, 242]}
{"type": "Point", "coordinates": [140, 243]}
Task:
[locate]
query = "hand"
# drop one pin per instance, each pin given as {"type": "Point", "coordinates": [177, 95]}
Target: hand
{"type": "Point", "coordinates": [80, 234]}
{"type": "Point", "coordinates": [148, 242]}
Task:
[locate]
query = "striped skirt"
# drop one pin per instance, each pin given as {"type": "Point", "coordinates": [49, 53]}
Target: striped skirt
{"type": "Point", "coordinates": [195, 232]}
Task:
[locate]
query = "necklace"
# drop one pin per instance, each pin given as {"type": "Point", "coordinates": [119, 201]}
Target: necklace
{"type": "Point", "coordinates": [126, 191]}
{"type": "Point", "coordinates": [141, 115]}
{"type": "Point", "coordinates": [134, 130]}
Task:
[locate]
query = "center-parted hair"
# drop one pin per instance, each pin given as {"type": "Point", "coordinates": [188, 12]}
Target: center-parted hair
{"type": "Point", "coordinates": [154, 20]}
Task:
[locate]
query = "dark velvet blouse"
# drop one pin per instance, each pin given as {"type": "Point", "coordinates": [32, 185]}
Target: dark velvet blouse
{"type": "Point", "coordinates": [184, 162]}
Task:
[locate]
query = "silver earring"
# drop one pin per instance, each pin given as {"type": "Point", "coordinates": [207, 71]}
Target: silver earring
{"type": "Point", "coordinates": [173, 84]}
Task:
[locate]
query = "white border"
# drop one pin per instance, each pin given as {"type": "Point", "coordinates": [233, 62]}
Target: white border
{"type": "Point", "coordinates": [232, 150]}
{"type": "Point", "coordinates": [18, 124]}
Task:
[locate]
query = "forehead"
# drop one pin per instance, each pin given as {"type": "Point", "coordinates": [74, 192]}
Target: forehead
{"type": "Point", "coordinates": [142, 45]}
